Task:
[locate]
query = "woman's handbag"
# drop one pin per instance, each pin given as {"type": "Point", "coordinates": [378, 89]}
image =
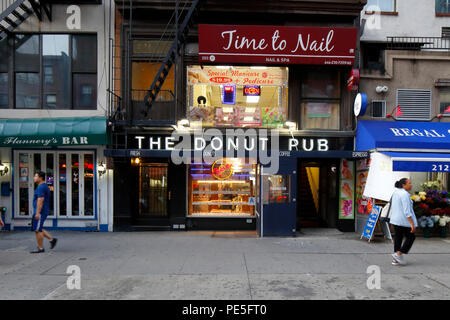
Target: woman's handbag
{"type": "Point", "coordinates": [385, 215]}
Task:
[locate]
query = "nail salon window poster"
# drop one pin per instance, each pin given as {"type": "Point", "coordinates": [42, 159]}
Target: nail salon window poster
{"type": "Point", "coordinates": [347, 190]}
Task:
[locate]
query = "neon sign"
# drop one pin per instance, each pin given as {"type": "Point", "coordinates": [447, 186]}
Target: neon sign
{"type": "Point", "coordinates": [221, 170]}
{"type": "Point", "coordinates": [252, 91]}
{"type": "Point", "coordinates": [229, 94]}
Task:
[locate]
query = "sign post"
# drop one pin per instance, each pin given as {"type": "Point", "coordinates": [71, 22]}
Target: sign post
{"type": "Point", "coordinates": [371, 223]}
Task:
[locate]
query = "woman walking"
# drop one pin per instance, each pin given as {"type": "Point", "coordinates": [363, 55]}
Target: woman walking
{"type": "Point", "coordinates": [404, 221]}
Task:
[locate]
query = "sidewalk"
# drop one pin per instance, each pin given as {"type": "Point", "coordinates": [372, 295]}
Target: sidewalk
{"type": "Point", "coordinates": [219, 265]}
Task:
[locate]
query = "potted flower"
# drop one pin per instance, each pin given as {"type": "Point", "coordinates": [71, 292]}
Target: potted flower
{"type": "Point", "coordinates": [427, 224]}
{"type": "Point", "coordinates": [443, 222]}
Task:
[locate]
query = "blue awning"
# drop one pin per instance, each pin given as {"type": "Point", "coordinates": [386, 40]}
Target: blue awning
{"type": "Point", "coordinates": [402, 136]}
{"type": "Point", "coordinates": [419, 162]}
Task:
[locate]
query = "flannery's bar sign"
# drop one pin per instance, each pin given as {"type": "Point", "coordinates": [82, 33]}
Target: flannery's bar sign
{"type": "Point", "coordinates": [277, 44]}
{"type": "Point", "coordinates": [43, 141]}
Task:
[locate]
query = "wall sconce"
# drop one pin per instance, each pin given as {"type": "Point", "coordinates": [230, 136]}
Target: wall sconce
{"type": "Point", "coordinates": [101, 168]}
{"type": "Point", "coordinates": [136, 161]}
{"type": "Point", "coordinates": [290, 125]}
{"type": "Point", "coordinates": [3, 169]}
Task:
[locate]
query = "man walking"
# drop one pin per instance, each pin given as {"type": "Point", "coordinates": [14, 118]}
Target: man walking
{"type": "Point", "coordinates": [41, 208]}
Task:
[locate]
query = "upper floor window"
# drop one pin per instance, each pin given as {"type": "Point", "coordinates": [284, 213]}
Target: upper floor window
{"type": "Point", "coordinates": [320, 100]}
{"type": "Point", "coordinates": [381, 5]}
{"type": "Point", "coordinates": [49, 71]}
{"type": "Point", "coordinates": [443, 7]}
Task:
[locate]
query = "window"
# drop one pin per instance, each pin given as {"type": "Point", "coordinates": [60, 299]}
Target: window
{"type": "Point", "coordinates": [4, 79]}
{"type": "Point", "coordinates": [381, 5]}
{"type": "Point", "coordinates": [231, 96]}
{"type": "Point", "coordinates": [84, 90]}
{"type": "Point", "coordinates": [414, 103]}
{"type": "Point", "coordinates": [444, 102]}
{"type": "Point", "coordinates": [55, 57]}
{"type": "Point", "coordinates": [49, 71]}
{"type": "Point", "coordinates": [51, 101]}
{"type": "Point", "coordinates": [443, 7]}
{"type": "Point", "coordinates": [320, 99]}
{"type": "Point", "coordinates": [372, 56]}
{"type": "Point", "coordinates": [378, 109]}
{"type": "Point", "coordinates": [445, 32]}
{"type": "Point", "coordinates": [225, 188]}
{"type": "Point", "coordinates": [4, 90]}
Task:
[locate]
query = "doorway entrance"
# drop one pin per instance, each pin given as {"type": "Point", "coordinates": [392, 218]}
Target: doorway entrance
{"type": "Point", "coordinates": [69, 176]}
{"type": "Point", "coordinates": [153, 196]}
{"type": "Point", "coordinates": [318, 194]}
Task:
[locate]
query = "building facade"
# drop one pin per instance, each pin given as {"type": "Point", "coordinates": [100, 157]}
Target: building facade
{"type": "Point", "coordinates": [249, 123]}
{"type": "Point", "coordinates": [405, 63]}
{"type": "Point", "coordinates": [53, 111]}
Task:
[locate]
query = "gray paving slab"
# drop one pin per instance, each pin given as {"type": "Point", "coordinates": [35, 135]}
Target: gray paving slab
{"type": "Point", "coordinates": [209, 265]}
{"type": "Point", "coordinates": [159, 287]}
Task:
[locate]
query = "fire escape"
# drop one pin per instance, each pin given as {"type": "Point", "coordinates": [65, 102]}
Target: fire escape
{"type": "Point", "coordinates": [138, 107]}
{"type": "Point", "coordinates": [14, 12]}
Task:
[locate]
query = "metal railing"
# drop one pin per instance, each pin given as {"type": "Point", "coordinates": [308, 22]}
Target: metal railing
{"type": "Point", "coordinates": [115, 109]}
{"type": "Point", "coordinates": [163, 96]}
{"type": "Point", "coordinates": [418, 43]}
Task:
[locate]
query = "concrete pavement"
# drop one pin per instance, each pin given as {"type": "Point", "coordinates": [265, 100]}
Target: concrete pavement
{"type": "Point", "coordinates": [323, 264]}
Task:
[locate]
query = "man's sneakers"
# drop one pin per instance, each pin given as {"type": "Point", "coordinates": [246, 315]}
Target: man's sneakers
{"type": "Point", "coordinates": [53, 243]}
{"type": "Point", "coordinates": [395, 263]}
{"type": "Point", "coordinates": [399, 259]}
{"type": "Point", "coordinates": [38, 250]}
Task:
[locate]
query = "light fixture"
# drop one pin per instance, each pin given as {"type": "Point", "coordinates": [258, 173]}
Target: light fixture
{"type": "Point", "coordinates": [183, 123]}
{"type": "Point", "coordinates": [101, 168]}
{"type": "Point", "coordinates": [252, 99]}
{"type": "Point", "coordinates": [135, 161]}
{"type": "Point", "coordinates": [3, 169]}
{"type": "Point", "coordinates": [290, 125]}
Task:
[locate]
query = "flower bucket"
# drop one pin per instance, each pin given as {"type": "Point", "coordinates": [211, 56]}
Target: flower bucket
{"type": "Point", "coordinates": [427, 232]}
{"type": "Point", "coordinates": [443, 233]}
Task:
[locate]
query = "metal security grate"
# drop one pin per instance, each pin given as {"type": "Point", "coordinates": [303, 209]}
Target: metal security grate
{"type": "Point", "coordinates": [414, 103]}
{"type": "Point", "coordinates": [378, 109]}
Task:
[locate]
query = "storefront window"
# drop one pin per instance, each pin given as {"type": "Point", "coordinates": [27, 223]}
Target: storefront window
{"type": "Point", "coordinates": [227, 96]}
{"type": "Point", "coordinates": [320, 100]}
{"type": "Point", "coordinates": [225, 188]}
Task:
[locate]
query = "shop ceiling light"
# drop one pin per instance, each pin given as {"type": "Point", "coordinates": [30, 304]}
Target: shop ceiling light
{"type": "Point", "coordinates": [252, 99]}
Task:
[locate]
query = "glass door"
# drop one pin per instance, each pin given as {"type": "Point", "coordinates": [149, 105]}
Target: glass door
{"type": "Point", "coordinates": [153, 193]}
{"type": "Point", "coordinates": [28, 162]}
{"type": "Point", "coordinates": [69, 176]}
{"type": "Point", "coordinates": [76, 184]}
